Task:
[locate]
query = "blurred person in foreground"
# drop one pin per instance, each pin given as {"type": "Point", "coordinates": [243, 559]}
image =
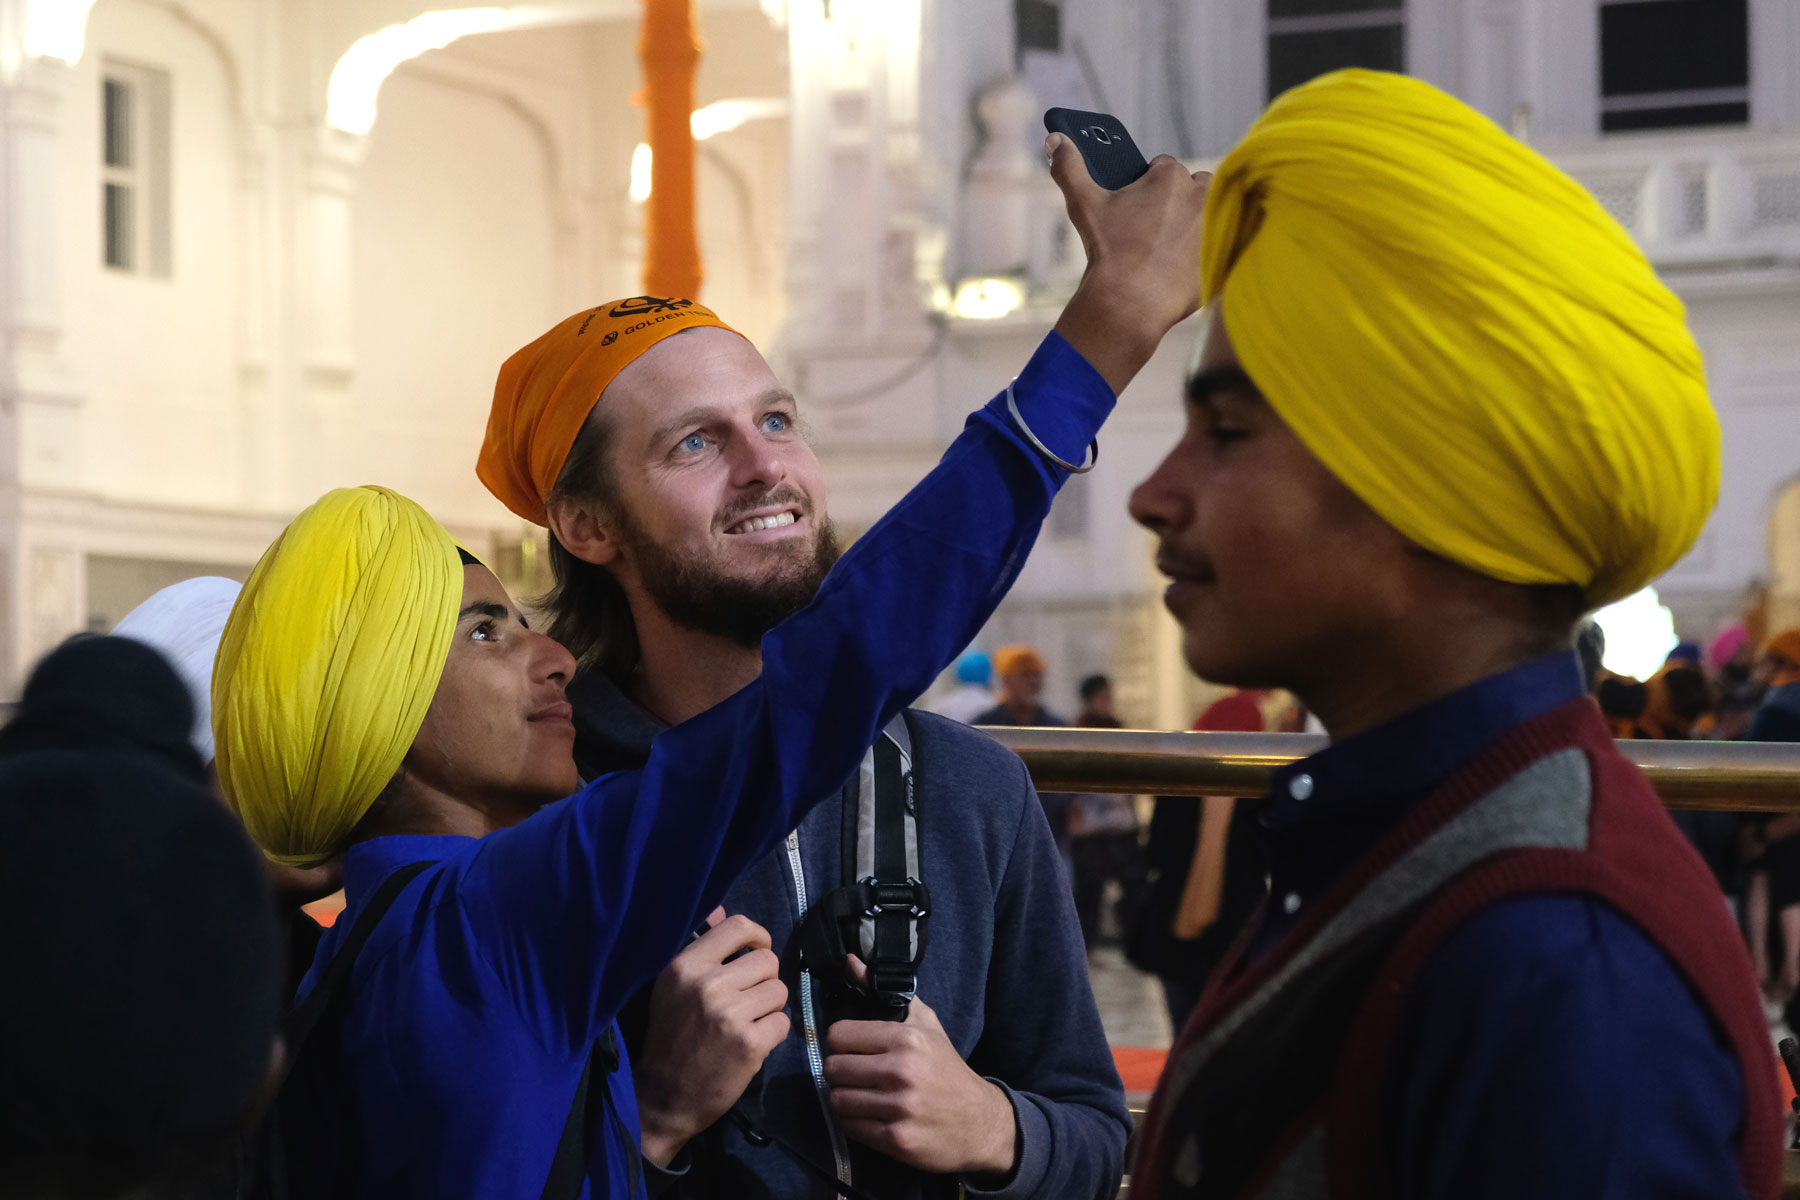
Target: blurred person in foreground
{"type": "Point", "coordinates": [688, 517]}
{"type": "Point", "coordinates": [184, 622]}
{"type": "Point", "coordinates": [379, 696]}
{"type": "Point", "coordinates": [1104, 845]}
{"type": "Point", "coordinates": [138, 1018]}
{"type": "Point", "coordinates": [973, 694]}
{"type": "Point", "coordinates": [1445, 408]}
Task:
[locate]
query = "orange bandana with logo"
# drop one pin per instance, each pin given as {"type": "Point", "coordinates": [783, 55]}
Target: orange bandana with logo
{"type": "Point", "coordinates": [546, 390]}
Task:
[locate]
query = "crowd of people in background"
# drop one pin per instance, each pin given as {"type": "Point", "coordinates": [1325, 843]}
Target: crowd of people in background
{"type": "Point", "coordinates": [1739, 687]}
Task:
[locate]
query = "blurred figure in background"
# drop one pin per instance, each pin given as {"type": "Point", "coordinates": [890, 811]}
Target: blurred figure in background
{"type": "Point", "coordinates": [184, 623]}
{"type": "Point", "coordinates": [1772, 902]}
{"type": "Point", "coordinates": [1103, 833]}
{"type": "Point", "coordinates": [1737, 690]}
{"type": "Point", "coordinates": [1207, 874]}
{"type": "Point", "coordinates": [1021, 672]}
{"type": "Point", "coordinates": [138, 1023]}
{"type": "Point", "coordinates": [972, 697]}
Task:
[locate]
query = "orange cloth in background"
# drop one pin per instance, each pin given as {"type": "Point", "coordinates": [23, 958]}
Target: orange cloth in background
{"type": "Point", "coordinates": [1787, 644]}
{"type": "Point", "coordinates": [546, 391]}
{"type": "Point", "coordinates": [1008, 659]}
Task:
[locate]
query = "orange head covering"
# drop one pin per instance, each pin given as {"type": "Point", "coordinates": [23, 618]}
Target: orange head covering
{"type": "Point", "coordinates": [546, 390]}
{"type": "Point", "coordinates": [1008, 659]}
{"type": "Point", "coordinates": [1787, 645]}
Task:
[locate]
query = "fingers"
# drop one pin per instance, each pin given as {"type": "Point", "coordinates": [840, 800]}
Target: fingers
{"type": "Point", "coordinates": [863, 1104]}
{"type": "Point", "coordinates": [922, 1014]}
{"type": "Point", "coordinates": [727, 936]}
{"type": "Point", "coordinates": [1070, 171]}
{"type": "Point", "coordinates": [863, 1037]}
{"type": "Point", "coordinates": [768, 1032]}
{"type": "Point", "coordinates": [857, 973]}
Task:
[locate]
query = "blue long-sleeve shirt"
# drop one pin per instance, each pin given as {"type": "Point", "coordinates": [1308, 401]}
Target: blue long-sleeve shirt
{"type": "Point", "coordinates": [1548, 1049]}
{"type": "Point", "coordinates": [473, 1007]}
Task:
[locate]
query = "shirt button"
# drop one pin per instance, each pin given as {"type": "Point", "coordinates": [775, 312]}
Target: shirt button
{"type": "Point", "coordinates": [1300, 787]}
{"type": "Point", "coordinates": [1290, 903]}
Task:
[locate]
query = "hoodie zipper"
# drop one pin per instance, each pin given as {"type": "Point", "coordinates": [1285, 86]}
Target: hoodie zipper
{"type": "Point", "coordinates": [809, 1024]}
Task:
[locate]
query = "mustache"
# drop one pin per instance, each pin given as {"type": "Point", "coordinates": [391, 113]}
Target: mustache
{"type": "Point", "coordinates": [781, 495]}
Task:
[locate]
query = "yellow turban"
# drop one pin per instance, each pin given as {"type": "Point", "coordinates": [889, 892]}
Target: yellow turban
{"type": "Point", "coordinates": [1462, 335]}
{"type": "Point", "coordinates": [329, 661]}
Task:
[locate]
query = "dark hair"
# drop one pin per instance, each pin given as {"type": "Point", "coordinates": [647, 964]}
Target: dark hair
{"type": "Point", "coordinates": [1092, 686]}
{"type": "Point", "coordinates": [586, 609]}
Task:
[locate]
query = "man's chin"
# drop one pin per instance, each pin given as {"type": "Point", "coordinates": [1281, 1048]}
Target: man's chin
{"type": "Point", "coordinates": [1218, 662]}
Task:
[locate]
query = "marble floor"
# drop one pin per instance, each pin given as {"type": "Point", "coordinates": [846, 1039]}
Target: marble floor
{"type": "Point", "coordinates": [1131, 1002]}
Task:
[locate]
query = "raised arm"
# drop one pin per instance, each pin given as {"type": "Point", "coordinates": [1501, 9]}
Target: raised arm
{"type": "Point", "coordinates": [616, 877]}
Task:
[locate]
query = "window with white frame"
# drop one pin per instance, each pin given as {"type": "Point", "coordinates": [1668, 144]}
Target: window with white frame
{"type": "Point", "coordinates": [1308, 38]}
{"type": "Point", "coordinates": [134, 169]}
{"type": "Point", "coordinates": [1669, 64]}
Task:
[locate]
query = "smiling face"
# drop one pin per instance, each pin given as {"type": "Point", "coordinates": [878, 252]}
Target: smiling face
{"type": "Point", "coordinates": [498, 735]}
{"type": "Point", "coordinates": [718, 516]}
{"type": "Point", "coordinates": [1274, 566]}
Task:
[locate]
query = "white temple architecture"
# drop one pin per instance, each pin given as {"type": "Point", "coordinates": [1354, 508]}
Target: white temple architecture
{"type": "Point", "coordinates": [254, 249]}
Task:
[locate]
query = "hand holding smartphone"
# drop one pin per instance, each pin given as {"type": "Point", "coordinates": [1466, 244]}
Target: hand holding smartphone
{"type": "Point", "coordinates": [1112, 158]}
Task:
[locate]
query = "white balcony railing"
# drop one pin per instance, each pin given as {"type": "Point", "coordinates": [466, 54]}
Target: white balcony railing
{"type": "Point", "coordinates": [1728, 199]}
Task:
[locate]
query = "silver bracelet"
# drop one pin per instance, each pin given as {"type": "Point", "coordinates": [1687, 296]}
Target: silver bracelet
{"type": "Point", "coordinates": [1093, 454]}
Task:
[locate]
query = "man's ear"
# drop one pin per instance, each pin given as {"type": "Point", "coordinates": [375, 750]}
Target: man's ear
{"type": "Point", "coordinates": [581, 532]}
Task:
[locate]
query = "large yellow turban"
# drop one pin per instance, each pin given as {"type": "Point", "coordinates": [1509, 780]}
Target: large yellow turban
{"type": "Point", "coordinates": [331, 657]}
{"type": "Point", "coordinates": [1462, 335]}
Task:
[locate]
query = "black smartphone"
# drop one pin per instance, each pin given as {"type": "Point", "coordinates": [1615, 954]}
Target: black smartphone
{"type": "Point", "coordinates": [1113, 159]}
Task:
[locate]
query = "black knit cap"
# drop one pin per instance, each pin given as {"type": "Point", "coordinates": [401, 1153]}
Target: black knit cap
{"type": "Point", "coordinates": [106, 692]}
{"type": "Point", "coordinates": [144, 975]}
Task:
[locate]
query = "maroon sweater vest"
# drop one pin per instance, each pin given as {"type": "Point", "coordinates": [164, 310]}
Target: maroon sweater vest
{"type": "Point", "coordinates": [1550, 808]}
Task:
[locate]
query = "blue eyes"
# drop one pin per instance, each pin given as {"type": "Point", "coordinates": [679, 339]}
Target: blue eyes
{"type": "Point", "coordinates": [774, 423]}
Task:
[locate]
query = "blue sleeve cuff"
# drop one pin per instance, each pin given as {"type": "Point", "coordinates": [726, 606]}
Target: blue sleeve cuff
{"type": "Point", "coordinates": [1060, 397]}
{"type": "Point", "coordinates": [1031, 1161]}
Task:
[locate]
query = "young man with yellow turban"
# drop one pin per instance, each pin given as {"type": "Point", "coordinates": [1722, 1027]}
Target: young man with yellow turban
{"type": "Point", "coordinates": [378, 695]}
{"type": "Point", "coordinates": [688, 518]}
{"type": "Point", "coordinates": [1444, 407]}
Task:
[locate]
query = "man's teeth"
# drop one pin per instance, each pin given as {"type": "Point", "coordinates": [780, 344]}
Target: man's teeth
{"type": "Point", "coordinates": [756, 523]}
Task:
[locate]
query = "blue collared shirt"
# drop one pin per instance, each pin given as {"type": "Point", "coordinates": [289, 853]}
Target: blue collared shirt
{"type": "Point", "coordinates": [1549, 1049]}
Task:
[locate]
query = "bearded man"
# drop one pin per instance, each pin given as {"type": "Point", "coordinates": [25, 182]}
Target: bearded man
{"type": "Point", "coordinates": [688, 518]}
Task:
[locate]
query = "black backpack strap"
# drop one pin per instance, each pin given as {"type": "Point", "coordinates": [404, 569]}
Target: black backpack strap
{"type": "Point", "coordinates": [301, 1019]}
{"type": "Point", "coordinates": [880, 912]}
{"type": "Point", "coordinates": [262, 1168]}
{"type": "Point", "coordinates": [568, 1168]}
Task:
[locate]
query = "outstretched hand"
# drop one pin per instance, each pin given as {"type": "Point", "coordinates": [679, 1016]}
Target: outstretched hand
{"type": "Point", "coordinates": [1143, 259]}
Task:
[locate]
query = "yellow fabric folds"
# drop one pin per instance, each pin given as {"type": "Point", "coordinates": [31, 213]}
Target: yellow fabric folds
{"type": "Point", "coordinates": [329, 661]}
{"type": "Point", "coordinates": [1462, 335]}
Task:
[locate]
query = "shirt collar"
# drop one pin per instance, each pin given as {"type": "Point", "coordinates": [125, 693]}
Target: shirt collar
{"type": "Point", "coordinates": [1328, 809]}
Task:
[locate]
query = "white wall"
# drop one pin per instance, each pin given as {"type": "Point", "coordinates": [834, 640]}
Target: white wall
{"type": "Point", "coordinates": [453, 268]}
{"type": "Point", "coordinates": [155, 360]}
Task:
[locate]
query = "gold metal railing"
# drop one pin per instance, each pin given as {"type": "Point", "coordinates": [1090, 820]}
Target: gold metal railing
{"type": "Point", "coordinates": [1737, 776]}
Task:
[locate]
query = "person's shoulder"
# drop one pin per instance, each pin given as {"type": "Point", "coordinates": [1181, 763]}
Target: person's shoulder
{"type": "Point", "coordinates": [937, 739]}
{"type": "Point", "coordinates": [1532, 956]}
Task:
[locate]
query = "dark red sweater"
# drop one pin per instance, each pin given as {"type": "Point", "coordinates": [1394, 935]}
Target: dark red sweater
{"type": "Point", "coordinates": [1551, 808]}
